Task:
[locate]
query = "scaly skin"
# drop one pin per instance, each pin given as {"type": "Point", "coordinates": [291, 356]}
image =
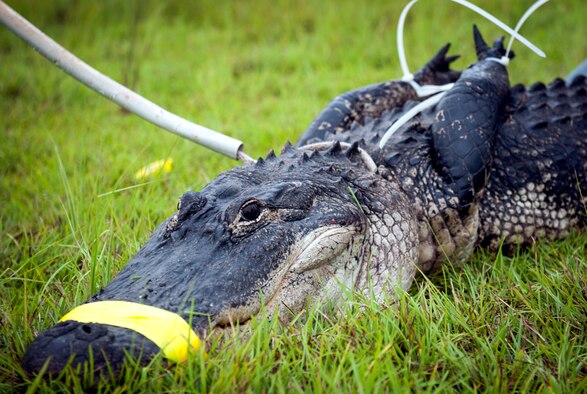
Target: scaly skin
{"type": "Point", "coordinates": [487, 164]}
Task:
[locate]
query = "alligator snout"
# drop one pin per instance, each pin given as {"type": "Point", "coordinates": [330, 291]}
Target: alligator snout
{"type": "Point", "coordinates": [72, 343]}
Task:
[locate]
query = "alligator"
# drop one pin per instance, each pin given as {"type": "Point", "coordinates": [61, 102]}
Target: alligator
{"type": "Point", "coordinates": [490, 165]}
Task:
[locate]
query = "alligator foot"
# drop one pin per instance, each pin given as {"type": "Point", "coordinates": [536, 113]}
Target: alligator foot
{"type": "Point", "coordinates": [437, 71]}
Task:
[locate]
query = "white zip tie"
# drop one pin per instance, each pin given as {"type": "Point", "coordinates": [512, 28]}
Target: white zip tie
{"type": "Point", "coordinates": [440, 90]}
{"type": "Point", "coordinates": [523, 19]}
{"type": "Point", "coordinates": [427, 90]}
{"type": "Point", "coordinates": [408, 76]}
{"type": "Point", "coordinates": [502, 25]}
{"type": "Point", "coordinates": [429, 102]}
{"type": "Point", "coordinates": [504, 60]}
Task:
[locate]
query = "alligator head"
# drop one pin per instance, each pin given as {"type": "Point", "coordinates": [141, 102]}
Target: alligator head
{"type": "Point", "coordinates": [277, 235]}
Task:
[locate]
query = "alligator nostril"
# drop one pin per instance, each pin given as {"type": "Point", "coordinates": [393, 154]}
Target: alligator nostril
{"type": "Point", "coordinates": [73, 343]}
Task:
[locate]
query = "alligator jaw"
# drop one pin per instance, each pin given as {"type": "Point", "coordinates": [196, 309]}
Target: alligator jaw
{"type": "Point", "coordinates": [317, 258]}
{"type": "Point", "coordinates": [317, 267]}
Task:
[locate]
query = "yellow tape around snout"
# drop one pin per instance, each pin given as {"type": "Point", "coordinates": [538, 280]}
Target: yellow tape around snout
{"type": "Point", "coordinates": [168, 330]}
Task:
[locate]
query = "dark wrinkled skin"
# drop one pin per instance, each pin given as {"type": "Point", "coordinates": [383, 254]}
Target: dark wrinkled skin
{"type": "Point", "coordinates": [488, 164]}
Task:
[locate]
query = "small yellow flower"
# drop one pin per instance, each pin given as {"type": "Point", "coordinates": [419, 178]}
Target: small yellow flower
{"type": "Point", "coordinates": [155, 168]}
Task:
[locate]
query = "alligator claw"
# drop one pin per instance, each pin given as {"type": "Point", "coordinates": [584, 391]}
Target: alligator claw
{"type": "Point", "coordinates": [484, 51]}
{"type": "Point", "coordinates": [441, 62]}
{"type": "Point", "coordinates": [437, 71]}
{"type": "Point", "coordinates": [452, 58]}
{"type": "Point", "coordinates": [498, 45]}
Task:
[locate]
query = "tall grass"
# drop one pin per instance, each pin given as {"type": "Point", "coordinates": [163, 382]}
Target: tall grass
{"type": "Point", "coordinates": [72, 213]}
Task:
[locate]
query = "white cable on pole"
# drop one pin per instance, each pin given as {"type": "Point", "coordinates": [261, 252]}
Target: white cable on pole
{"type": "Point", "coordinates": [116, 92]}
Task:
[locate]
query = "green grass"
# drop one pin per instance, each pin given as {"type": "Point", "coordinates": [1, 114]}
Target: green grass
{"type": "Point", "coordinates": [72, 214]}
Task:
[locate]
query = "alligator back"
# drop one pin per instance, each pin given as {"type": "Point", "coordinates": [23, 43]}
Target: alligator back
{"type": "Point", "coordinates": [538, 181]}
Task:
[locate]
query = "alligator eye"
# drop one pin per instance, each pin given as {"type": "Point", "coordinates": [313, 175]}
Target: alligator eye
{"type": "Point", "coordinates": [251, 211]}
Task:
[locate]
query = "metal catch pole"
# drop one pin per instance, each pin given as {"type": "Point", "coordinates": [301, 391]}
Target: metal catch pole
{"type": "Point", "coordinates": [116, 92]}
